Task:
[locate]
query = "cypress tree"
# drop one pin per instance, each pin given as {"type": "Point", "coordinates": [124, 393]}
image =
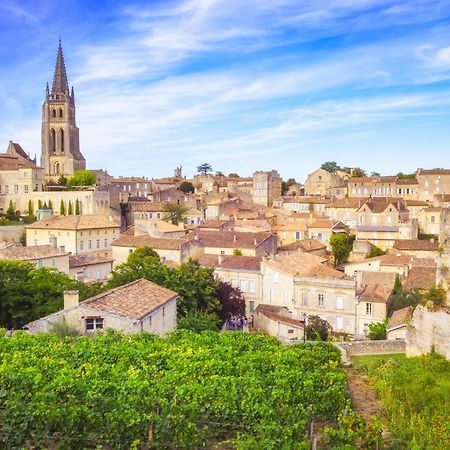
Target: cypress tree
{"type": "Point", "coordinates": [70, 210]}
{"type": "Point", "coordinates": [77, 207]}
{"type": "Point", "coordinates": [62, 208]}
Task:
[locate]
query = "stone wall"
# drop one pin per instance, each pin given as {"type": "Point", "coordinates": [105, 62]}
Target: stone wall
{"type": "Point", "coordinates": [358, 348]}
{"type": "Point", "coordinates": [428, 330]}
{"type": "Point", "coordinates": [11, 233]}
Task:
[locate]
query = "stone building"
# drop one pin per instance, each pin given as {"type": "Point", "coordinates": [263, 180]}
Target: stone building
{"type": "Point", "coordinates": [60, 135]}
{"type": "Point", "coordinates": [266, 187]}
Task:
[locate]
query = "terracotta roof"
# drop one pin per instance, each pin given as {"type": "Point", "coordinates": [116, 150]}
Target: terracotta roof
{"type": "Point", "coordinates": [19, 150]}
{"type": "Point", "coordinates": [297, 226]}
{"type": "Point", "coordinates": [326, 223]}
{"type": "Point", "coordinates": [378, 293]}
{"type": "Point", "coordinates": [303, 265]}
{"type": "Point", "coordinates": [87, 260]}
{"type": "Point", "coordinates": [276, 313]}
{"type": "Point", "coordinates": [399, 318]}
{"type": "Point", "coordinates": [377, 229]}
{"type": "Point", "coordinates": [380, 204]}
{"type": "Point", "coordinates": [383, 278]}
{"type": "Point", "coordinates": [146, 206]}
{"type": "Point", "coordinates": [207, 260]}
{"type": "Point", "coordinates": [135, 300]}
{"type": "Point", "coordinates": [73, 223]}
{"type": "Point", "coordinates": [423, 262]}
{"type": "Point", "coordinates": [386, 179]}
{"type": "Point", "coordinates": [348, 202]}
{"type": "Point", "coordinates": [149, 241]}
{"type": "Point", "coordinates": [213, 223]}
{"type": "Point", "coordinates": [407, 181]}
{"type": "Point", "coordinates": [416, 203]}
{"type": "Point", "coordinates": [434, 172]}
{"type": "Point", "coordinates": [232, 239]}
{"type": "Point", "coordinates": [240, 263]}
{"type": "Point", "coordinates": [130, 180]}
{"type": "Point", "coordinates": [304, 245]}
{"type": "Point", "coordinates": [420, 278]}
{"type": "Point", "coordinates": [18, 252]}
{"type": "Point", "coordinates": [416, 244]}
{"type": "Point", "coordinates": [395, 257]}
{"type": "Point", "coordinates": [9, 162]}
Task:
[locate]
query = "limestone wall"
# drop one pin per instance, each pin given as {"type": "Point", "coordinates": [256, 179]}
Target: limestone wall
{"type": "Point", "coordinates": [428, 330]}
{"type": "Point", "coordinates": [357, 348]}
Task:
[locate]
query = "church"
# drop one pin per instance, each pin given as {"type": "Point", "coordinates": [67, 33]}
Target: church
{"type": "Point", "coordinates": [60, 135]}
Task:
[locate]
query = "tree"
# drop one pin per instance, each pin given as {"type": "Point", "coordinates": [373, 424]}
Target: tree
{"type": "Point", "coordinates": [62, 181]}
{"type": "Point", "coordinates": [174, 213]}
{"type": "Point", "coordinates": [376, 251]}
{"type": "Point", "coordinates": [341, 246]}
{"type": "Point", "coordinates": [62, 208]}
{"type": "Point", "coordinates": [233, 175]}
{"type": "Point", "coordinates": [219, 174]}
{"type": "Point", "coordinates": [39, 204]}
{"type": "Point", "coordinates": [204, 168]}
{"type": "Point", "coordinates": [317, 329]}
{"type": "Point", "coordinates": [30, 207]}
{"type": "Point", "coordinates": [81, 178]}
{"type": "Point", "coordinates": [358, 172]}
{"type": "Point", "coordinates": [237, 252]}
{"type": "Point", "coordinates": [50, 204]}
{"type": "Point", "coordinates": [401, 299]}
{"type": "Point", "coordinates": [231, 300]}
{"type": "Point", "coordinates": [377, 331]}
{"type": "Point", "coordinates": [330, 166]}
{"type": "Point", "coordinates": [186, 187]}
{"type": "Point", "coordinates": [70, 209]}
{"type": "Point", "coordinates": [10, 212]}
{"type": "Point", "coordinates": [436, 295]}
{"type": "Point", "coordinates": [77, 207]}
{"type": "Point", "coordinates": [199, 321]}
{"type": "Point", "coordinates": [375, 174]}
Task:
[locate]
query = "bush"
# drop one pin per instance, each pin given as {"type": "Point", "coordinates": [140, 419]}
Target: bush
{"type": "Point", "coordinates": [376, 251]}
{"type": "Point", "coordinates": [4, 221]}
{"type": "Point", "coordinates": [317, 329]}
{"type": "Point", "coordinates": [199, 321]}
{"type": "Point", "coordinates": [63, 329]}
{"type": "Point", "coordinates": [377, 331]}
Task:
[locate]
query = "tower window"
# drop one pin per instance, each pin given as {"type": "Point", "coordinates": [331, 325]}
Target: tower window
{"type": "Point", "coordinates": [53, 140]}
{"type": "Point", "coordinates": [62, 140]}
{"type": "Point", "coordinates": [57, 168]}
{"type": "Point", "coordinates": [53, 112]}
{"type": "Point", "coordinates": [60, 112]}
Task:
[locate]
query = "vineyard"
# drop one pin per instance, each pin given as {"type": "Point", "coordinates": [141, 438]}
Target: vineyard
{"type": "Point", "coordinates": [224, 390]}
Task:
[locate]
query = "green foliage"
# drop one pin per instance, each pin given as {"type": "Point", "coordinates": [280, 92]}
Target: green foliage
{"type": "Point", "coordinates": [10, 212]}
{"type": "Point", "coordinates": [23, 238]}
{"type": "Point", "coordinates": [62, 181]}
{"type": "Point", "coordinates": [70, 209]}
{"type": "Point", "coordinates": [415, 396]}
{"type": "Point", "coordinates": [376, 251]}
{"type": "Point", "coordinates": [62, 208]}
{"type": "Point", "coordinates": [50, 204]}
{"type": "Point", "coordinates": [237, 252]}
{"type": "Point", "coordinates": [63, 329]}
{"type": "Point", "coordinates": [219, 174]}
{"type": "Point", "coordinates": [401, 299]}
{"type": "Point", "coordinates": [358, 172]}
{"type": "Point", "coordinates": [29, 219]}
{"type": "Point", "coordinates": [174, 213]}
{"type": "Point", "coordinates": [330, 166]}
{"type": "Point", "coordinates": [436, 295]}
{"type": "Point", "coordinates": [30, 207]}
{"type": "Point", "coordinates": [402, 175]}
{"type": "Point", "coordinates": [377, 331]}
{"type": "Point", "coordinates": [317, 329]}
{"type": "Point", "coordinates": [187, 187]}
{"type": "Point", "coordinates": [4, 221]}
{"type": "Point", "coordinates": [199, 321]}
{"type": "Point", "coordinates": [81, 178]}
{"type": "Point", "coordinates": [375, 174]}
{"type": "Point", "coordinates": [40, 204]}
{"type": "Point", "coordinates": [341, 246]}
{"type": "Point", "coordinates": [77, 207]}
{"type": "Point", "coordinates": [204, 168]}
{"type": "Point", "coordinates": [233, 175]}
{"type": "Point", "coordinates": [197, 286]}
{"type": "Point", "coordinates": [190, 390]}
{"type": "Point", "coordinates": [27, 293]}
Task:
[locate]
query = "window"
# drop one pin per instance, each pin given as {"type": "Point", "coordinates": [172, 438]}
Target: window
{"type": "Point", "coordinates": [6, 189]}
{"type": "Point", "coordinates": [40, 263]}
{"type": "Point", "coordinates": [106, 243]}
{"type": "Point", "coordinates": [270, 295]}
{"type": "Point", "coordinates": [25, 188]}
{"type": "Point", "coordinates": [339, 303]}
{"type": "Point", "coordinates": [252, 287]}
{"type": "Point", "coordinates": [368, 309]}
{"type": "Point", "coordinates": [164, 311]}
{"type": "Point", "coordinates": [222, 252]}
{"type": "Point", "coordinates": [305, 298]}
{"type": "Point", "coordinates": [339, 323]}
{"type": "Point", "coordinates": [243, 285]}
{"type": "Point", "coordinates": [432, 218]}
{"type": "Point", "coordinates": [60, 112]}
{"type": "Point", "coordinates": [320, 300]}
{"type": "Point", "coordinates": [94, 323]}
{"type": "Point", "coordinates": [81, 245]}
{"type": "Point", "coordinates": [98, 243]}
{"type": "Point", "coordinates": [298, 235]}
{"type": "Point", "coordinates": [252, 307]}
{"type": "Point", "coordinates": [89, 244]}
{"type": "Point", "coordinates": [53, 262]}
{"type": "Point", "coordinates": [16, 189]}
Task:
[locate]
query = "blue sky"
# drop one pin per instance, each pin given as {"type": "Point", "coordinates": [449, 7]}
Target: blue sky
{"type": "Point", "coordinates": [244, 85]}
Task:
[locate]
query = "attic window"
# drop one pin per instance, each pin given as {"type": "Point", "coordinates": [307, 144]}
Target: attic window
{"type": "Point", "coordinates": [94, 323]}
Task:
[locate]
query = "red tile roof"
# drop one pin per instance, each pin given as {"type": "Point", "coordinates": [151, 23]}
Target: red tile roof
{"type": "Point", "coordinates": [416, 244]}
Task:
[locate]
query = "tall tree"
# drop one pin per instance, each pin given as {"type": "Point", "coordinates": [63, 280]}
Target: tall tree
{"type": "Point", "coordinates": [204, 168]}
{"type": "Point", "coordinates": [341, 246]}
{"type": "Point", "coordinates": [62, 208]}
{"type": "Point", "coordinates": [70, 209]}
{"type": "Point", "coordinates": [231, 299]}
{"type": "Point", "coordinates": [77, 207]}
{"type": "Point", "coordinates": [174, 213]}
{"type": "Point", "coordinates": [10, 212]}
{"type": "Point", "coordinates": [30, 207]}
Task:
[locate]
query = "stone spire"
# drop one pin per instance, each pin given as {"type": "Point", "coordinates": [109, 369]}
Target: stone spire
{"type": "Point", "coordinates": [60, 84]}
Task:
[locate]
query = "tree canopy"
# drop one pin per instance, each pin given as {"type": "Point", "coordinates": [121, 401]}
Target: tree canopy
{"type": "Point", "coordinates": [186, 187]}
{"type": "Point", "coordinates": [341, 246]}
{"type": "Point", "coordinates": [174, 213]}
{"type": "Point", "coordinates": [330, 166]}
{"type": "Point", "coordinates": [204, 168]}
{"type": "Point", "coordinates": [81, 178]}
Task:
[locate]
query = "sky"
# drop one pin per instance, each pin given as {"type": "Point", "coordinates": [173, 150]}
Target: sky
{"type": "Point", "coordinates": [243, 85]}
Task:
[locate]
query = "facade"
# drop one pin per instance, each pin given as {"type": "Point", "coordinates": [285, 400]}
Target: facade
{"type": "Point", "coordinates": [433, 183]}
{"type": "Point", "coordinates": [134, 307]}
{"type": "Point", "coordinates": [266, 187]}
{"type": "Point", "coordinates": [60, 135]}
{"type": "Point", "coordinates": [320, 181]}
{"type": "Point", "coordinates": [91, 234]}
{"type": "Point", "coordinates": [277, 321]}
{"type": "Point", "coordinates": [89, 268]}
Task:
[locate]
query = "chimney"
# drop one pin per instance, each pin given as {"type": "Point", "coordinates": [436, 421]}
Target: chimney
{"type": "Point", "coordinates": [53, 241]}
{"type": "Point", "coordinates": [71, 299]}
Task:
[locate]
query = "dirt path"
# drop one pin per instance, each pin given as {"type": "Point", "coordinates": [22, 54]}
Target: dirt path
{"type": "Point", "coordinates": [364, 399]}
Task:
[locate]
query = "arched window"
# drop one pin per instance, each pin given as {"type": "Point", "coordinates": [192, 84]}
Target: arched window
{"type": "Point", "coordinates": [53, 112]}
{"type": "Point", "coordinates": [57, 168]}
{"type": "Point", "coordinates": [53, 140]}
{"type": "Point", "coordinates": [60, 112]}
{"type": "Point", "coordinates": [62, 140]}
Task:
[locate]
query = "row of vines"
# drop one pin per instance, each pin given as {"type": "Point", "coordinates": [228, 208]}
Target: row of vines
{"type": "Point", "coordinates": [231, 390]}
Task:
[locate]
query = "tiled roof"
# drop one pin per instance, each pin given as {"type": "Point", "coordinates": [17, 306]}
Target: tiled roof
{"type": "Point", "coordinates": [275, 313]}
{"type": "Point", "coordinates": [434, 171]}
{"type": "Point", "coordinates": [395, 257]}
{"type": "Point", "coordinates": [240, 262]}
{"type": "Point", "coordinates": [378, 293]}
{"type": "Point", "coordinates": [399, 318]}
{"type": "Point", "coordinates": [407, 181]}
{"type": "Point", "coordinates": [326, 223]}
{"type": "Point", "coordinates": [19, 150]}
{"type": "Point", "coordinates": [297, 226]}
{"type": "Point", "coordinates": [213, 223]}
{"type": "Point", "coordinates": [87, 259]}
{"type": "Point", "coordinates": [73, 223]}
{"type": "Point", "coordinates": [135, 300]}
{"type": "Point", "coordinates": [305, 245]}
{"type": "Point", "coordinates": [416, 203]}
{"type": "Point", "coordinates": [423, 262]}
{"type": "Point", "coordinates": [149, 241]}
{"type": "Point", "coordinates": [18, 252]}
{"type": "Point", "coordinates": [303, 265]}
{"type": "Point", "coordinates": [8, 162]}
{"type": "Point", "coordinates": [380, 204]}
{"type": "Point", "coordinates": [348, 202]}
{"type": "Point", "coordinates": [130, 180]}
{"type": "Point", "coordinates": [378, 229]}
{"type": "Point", "coordinates": [416, 244]}
{"type": "Point", "coordinates": [232, 239]}
{"type": "Point", "coordinates": [387, 179]}
{"type": "Point", "coordinates": [146, 206]}
{"type": "Point", "coordinates": [420, 278]}
{"type": "Point", "coordinates": [207, 260]}
{"type": "Point", "coordinates": [383, 278]}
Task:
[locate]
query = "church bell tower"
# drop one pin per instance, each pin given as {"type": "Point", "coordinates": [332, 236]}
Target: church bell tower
{"type": "Point", "coordinates": [60, 135]}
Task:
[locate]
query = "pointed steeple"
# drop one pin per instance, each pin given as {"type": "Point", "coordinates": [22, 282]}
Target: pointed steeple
{"type": "Point", "coordinates": [72, 96]}
{"type": "Point", "coordinates": [47, 92]}
{"type": "Point", "coordinates": [60, 84]}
